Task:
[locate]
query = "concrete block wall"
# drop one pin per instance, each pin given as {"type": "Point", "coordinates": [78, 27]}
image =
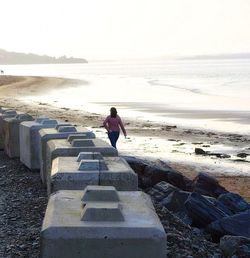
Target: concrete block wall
{"type": "Point", "coordinates": [71, 147]}
{"type": "Point", "coordinates": [29, 141]}
{"type": "Point", "coordinates": [11, 134]}
{"type": "Point", "coordinates": [61, 131]}
{"type": "Point", "coordinates": [91, 168]}
{"type": "Point", "coordinates": [97, 212]}
{"type": "Point", "coordinates": [6, 113]}
{"type": "Point", "coordinates": [101, 222]}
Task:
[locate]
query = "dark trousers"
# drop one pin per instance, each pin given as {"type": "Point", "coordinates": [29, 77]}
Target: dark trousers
{"type": "Point", "coordinates": [113, 137]}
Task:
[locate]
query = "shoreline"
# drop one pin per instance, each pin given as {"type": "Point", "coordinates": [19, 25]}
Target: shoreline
{"type": "Point", "coordinates": [177, 144]}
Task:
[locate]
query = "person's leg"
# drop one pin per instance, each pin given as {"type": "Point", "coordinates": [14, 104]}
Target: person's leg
{"type": "Point", "coordinates": [116, 136]}
{"type": "Point", "coordinates": [113, 137]}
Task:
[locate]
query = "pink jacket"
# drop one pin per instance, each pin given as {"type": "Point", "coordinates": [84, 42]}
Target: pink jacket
{"type": "Point", "coordinates": [114, 124]}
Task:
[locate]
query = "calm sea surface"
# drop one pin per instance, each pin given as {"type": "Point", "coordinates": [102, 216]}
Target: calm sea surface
{"type": "Point", "coordinates": [212, 94]}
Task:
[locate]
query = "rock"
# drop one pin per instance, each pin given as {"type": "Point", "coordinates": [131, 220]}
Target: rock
{"type": "Point", "coordinates": [241, 160]}
{"type": "Point", "coordinates": [155, 174]}
{"type": "Point", "coordinates": [176, 178]}
{"type": "Point", "coordinates": [175, 200]}
{"type": "Point", "coordinates": [138, 165]}
{"type": "Point", "coordinates": [234, 202]}
{"type": "Point", "coordinates": [219, 155]}
{"type": "Point", "coordinates": [151, 173]}
{"type": "Point", "coordinates": [168, 127]}
{"type": "Point", "coordinates": [231, 245]}
{"type": "Point", "coordinates": [220, 206]}
{"type": "Point", "coordinates": [161, 190]}
{"type": "Point", "coordinates": [200, 151]}
{"type": "Point", "coordinates": [236, 225]}
{"type": "Point", "coordinates": [242, 251]}
{"type": "Point", "coordinates": [242, 155]}
{"type": "Point", "coordinates": [197, 231]}
{"type": "Point", "coordinates": [202, 211]}
{"type": "Point", "coordinates": [175, 203]}
{"type": "Point", "coordinates": [207, 185]}
{"type": "Point", "coordinates": [22, 205]}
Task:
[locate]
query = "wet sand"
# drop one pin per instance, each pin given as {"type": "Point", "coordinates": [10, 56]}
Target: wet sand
{"type": "Point", "coordinates": [174, 145]}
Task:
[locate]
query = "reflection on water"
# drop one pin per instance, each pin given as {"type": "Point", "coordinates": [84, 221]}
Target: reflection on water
{"type": "Point", "coordinates": [203, 94]}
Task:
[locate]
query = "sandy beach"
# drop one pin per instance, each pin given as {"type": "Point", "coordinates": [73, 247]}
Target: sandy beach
{"type": "Point", "coordinates": [173, 144]}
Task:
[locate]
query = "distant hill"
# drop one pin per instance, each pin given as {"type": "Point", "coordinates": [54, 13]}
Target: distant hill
{"type": "Point", "coordinates": [219, 56]}
{"type": "Point", "coordinates": [21, 58]}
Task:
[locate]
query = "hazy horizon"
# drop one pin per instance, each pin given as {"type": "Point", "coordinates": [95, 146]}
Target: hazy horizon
{"type": "Point", "coordinates": [181, 57]}
{"type": "Point", "coordinates": [114, 29]}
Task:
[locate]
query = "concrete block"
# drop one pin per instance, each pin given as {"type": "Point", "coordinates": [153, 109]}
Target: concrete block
{"type": "Point", "coordinates": [10, 112]}
{"type": "Point", "coordinates": [66, 129]}
{"type": "Point", "coordinates": [89, 165]}
{"type": "Point", "coordinates": [118, 174]}
{"type": "Point", "coordinates": [89, 155]}
{"type": "Point", "coordinates": [127, 228]}
{"type": "Point", "coordinates": [5, 114]}
{"type": "Point", "coordinates": [63, 148]}
{"type": "Point", "coordinates": [94, 193]}
{"type": "Point", "coordinates": [61, 131]}
{"type": "Point", "coordinates": [3, 109]}
{"type": "Point", "coordinates": [81, 143]}
{"type": "Point", "coordinates": [71, 173]}
{"type": "Point", "coordinates": [63, 124]}
{"type": "Point", "coordinates": [11, 134]}
{"type": "Point", "coordinates": [81, 136]}
{"type": "Point", "coordinates": [29, 141]}
{"type": "Point", "coordinates": [102, 212]}
{"type": "Point", "coordinates": [40, 119]}
{"type": "Point", "coordinates": [49, 122]}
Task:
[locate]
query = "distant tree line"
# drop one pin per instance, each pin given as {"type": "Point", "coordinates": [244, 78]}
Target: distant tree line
{"type": "Point", "coordinates": [21, 58]}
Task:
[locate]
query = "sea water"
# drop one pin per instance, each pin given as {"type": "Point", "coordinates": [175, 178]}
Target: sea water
{"type": "Point", "coordinates": [207, 94]}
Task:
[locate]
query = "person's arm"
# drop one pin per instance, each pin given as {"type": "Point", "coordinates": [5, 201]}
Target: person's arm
{"type": "Point", "coordinates": [105, 123]}
{"type": "Point", "coordinates": [122, 127]}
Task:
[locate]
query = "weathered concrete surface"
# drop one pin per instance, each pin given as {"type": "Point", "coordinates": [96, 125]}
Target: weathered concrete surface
{"type": "Point", "coordinates": [127, 228]}
{"type": "Point", "coordinates": [61, 131]}
{"type": "Point", "coordinates": [63, 148]}
{"type": "Point", "coordinates": [11, 134]}
{"type": "Point", "coordinates": [66, 176]}
{"type": "Point", "coordinates": [72, 173]}
{"type": "Point", "coordinates": [3, 109]}
{"type": "Point", "coordinates": [29, 141]}
{"type": "Point", "coordinates": [5, 114]}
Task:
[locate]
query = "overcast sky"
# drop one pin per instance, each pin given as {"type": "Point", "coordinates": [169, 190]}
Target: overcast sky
{"type": "Point", "coordinates": [97, 29]}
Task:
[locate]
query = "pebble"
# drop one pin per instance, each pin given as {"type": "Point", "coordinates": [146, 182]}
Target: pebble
{"type": "Point", "coordinates": [21, 193]}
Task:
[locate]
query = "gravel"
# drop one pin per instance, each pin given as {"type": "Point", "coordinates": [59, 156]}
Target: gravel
{"type": "Point", "coordinates": [23, 201]}
{"type": "Point", "coordinates": [184, 241]}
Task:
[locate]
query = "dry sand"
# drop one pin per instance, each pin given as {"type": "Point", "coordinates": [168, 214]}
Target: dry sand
{"type": "Point", "coordinates": [14, 87]}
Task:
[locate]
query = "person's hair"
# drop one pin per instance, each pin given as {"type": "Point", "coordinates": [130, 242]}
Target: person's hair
{"type": "Point", "coordinates": [113, 112]}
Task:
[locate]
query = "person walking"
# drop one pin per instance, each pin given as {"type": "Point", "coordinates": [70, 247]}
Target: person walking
{"type": "Point", "coordinates": [113, 123]}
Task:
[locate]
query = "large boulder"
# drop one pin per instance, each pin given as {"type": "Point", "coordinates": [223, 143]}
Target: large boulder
{"type": "Point", "coordinates": [138, 165]}
{"type": "Point", "coordinates": [208, 185]}
{"type": "Point", "coordinates": [202, 211]}
{"type": "Point", "coordinates": [175, 203]}
{"type": "Point", "coordinates": [234, 202]}
{"type": "Point", "coordinates": [153, 172]}
{"type": "Point", "coordinates": [235, 245]}
{"type": "Point", "coordinates": [157, 174]}
{"type": "Point", "coordinates": [220, 205]}
{"type": "Point", "coordinates": [174, 177]}
{"type": "Point", "coordinates": [161, 190]}
{"type": "Point", "coordinates": [236, 225]}
{"type": "Point", "coordinates": [200, 151]}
